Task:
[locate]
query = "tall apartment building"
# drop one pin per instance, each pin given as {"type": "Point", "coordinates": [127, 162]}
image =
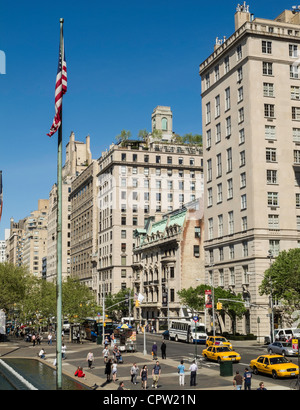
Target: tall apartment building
{"type": "Point", "coordinates": [251, 133]}
{"type": "Point", "coordinates": [14, 243]}
{"type": "Point", "coordinates": [78, 158]}
{"type": "Point", "coordinates": [138, 179]}
{"type": "Point", "coordinates": [34, 245]}
{"type": "Point", "coordinates": [2, 252]}
{"type": "Point", "coordinates": [84, 226]}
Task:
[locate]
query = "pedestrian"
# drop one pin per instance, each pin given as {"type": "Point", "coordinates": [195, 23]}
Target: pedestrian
{"type": "Point", "coordinates": [114, 370]}
{"type": "Point", "coordinates": [42, 353]}
{"type": "Point", "coordinates": [134, 372]}
{"type": "Point", "coordinates": [78, 337]}
{"type": "Point", "coordinates": [261, 386]}
{"type": "Point", "coordinates": [121, 386]}
{"type": "Point", "coordinates": [50, 339]}
{"type": "Point", "coordinates": [79, 372]}
{"type": "Point", "coordinates": [38, 339]}
{"type": "Point", "coordinates": [108, 370]}
{"type": "Point", "coordinates": [154, 351]}
{"type": "Point", "coordinates": [237, 381]}
{"type": "Point", "coordinates": [33, 339]}
{"type": "Point", "coordinates": [181, 373]}
{"type": "Point", "coordinates": [105, 354]}
{"type": "Point", "coordinates": [90, 359]}
{"type": "Point", "coordinates": [63, 351]}
{"type": "Point", "coordinates": [247, 379]}
{"type": "Point", "coordinates": [163, 348]}
{"type": "Point", "coordinates": [156, 371]}
{"type": "Point", "coordinates": [144, 377]}
{"type": "Point", "coordinates": [193, 369]}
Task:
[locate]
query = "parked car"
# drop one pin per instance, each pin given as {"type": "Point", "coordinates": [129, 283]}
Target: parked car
{"type": "Point", "coordinates": [274, 365]}
{"type": "Point", "coordinates": [283, 348]}
{"type": "Point", "coordinates": [165, 335]}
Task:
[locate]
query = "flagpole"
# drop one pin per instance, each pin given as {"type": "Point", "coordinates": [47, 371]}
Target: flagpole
{"type": "Point", "coordinates": [59, 242]}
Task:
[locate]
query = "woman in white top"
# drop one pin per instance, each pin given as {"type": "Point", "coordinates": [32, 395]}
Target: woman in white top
{"type": "Point", "coordinates": [114, 370]}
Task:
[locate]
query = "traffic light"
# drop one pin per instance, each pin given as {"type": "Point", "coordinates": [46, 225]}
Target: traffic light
{"type": "Point", "coordinates": [137, 303]}
{"type": "Point", "coordinates": [219, 306]}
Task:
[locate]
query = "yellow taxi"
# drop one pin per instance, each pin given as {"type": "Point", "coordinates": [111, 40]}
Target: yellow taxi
{"type": "Point", "coordinates": [218, 340]}
{"type": "Point", "coordinates": [220, 354]}
{"type": "Point", "coordinates": [274, 365]}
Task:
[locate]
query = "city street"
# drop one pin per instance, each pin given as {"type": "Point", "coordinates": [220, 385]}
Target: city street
{"type": "Point", "coordinates": [208, 377]}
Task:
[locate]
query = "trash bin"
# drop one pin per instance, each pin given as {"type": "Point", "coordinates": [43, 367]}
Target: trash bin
{"type": "Point", "coordinates": [99, 340]}
{"type": "Point", "coordinates": [226, 369]}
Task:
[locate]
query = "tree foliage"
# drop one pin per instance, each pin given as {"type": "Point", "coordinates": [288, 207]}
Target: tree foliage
{"type": "Point", "coordinates": [283, 278]}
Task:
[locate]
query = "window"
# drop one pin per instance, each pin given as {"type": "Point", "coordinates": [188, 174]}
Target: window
{"type": "Point", "coordinates": [296, 134]}
{"type": "Point", "coordinates": [270, 132]}
{"type": "Point", "coordinates": [227, 99]}
{"type": "Point", "coordinates": [232, 276]}
{"type": "Point", "coordinates": [243, 180]}
{"type": "Point", "coordinates": [274, 246]}
{"type": "Point", "coordinates": [123, 157]}
{"type": "Point", "coordinates": [228, 127]}
{"type": "Point", "coordinates": [295, 92]}
{"type": "Point", "coordinates": [293, 50]}
{"type": "Point", "coordinates": [221, 253]}
{"type": "Point", "coordinates": [273, 222]}
{"type": "Point", "coordinates": [244, 223]}
{"type": "Point", "coordinates": [241, 115]}
{"type": "Point", "coordinates": [170, 185]}
{"type": "Point", "coordinates": [134, 221]}
{"type": "Point", "coordinates": [217, 106]}
{"type": "Point", "coordinates": [134, 157]}
{"type": "Point", "coordinates": [239, 52]}
{"type": "Point", "coordinates": [220, 225]}
{"type": "Point", "coordinates": [241, 136]}
{"type": "Point", "coordinates": [269, 110]}
{"type": "Point", "coordinates": [240, 94]}
{"type": "Point", "coordinates": [240, 74]}
{"type": "Point", "coordinates": [297, 200]}
{"type": "Point", "coordinates": [267, 68]}
{"type": "Point", "coordinates": [209, 170]}
{"type": "Point", "coordinates": [123, 260]}
{"type": "Point", "coordinates": [146, 158]}
{"type": "Point", "coordinates": [242, 158]}
{"type": "Point", "coordinates": [296, 156]}
{"type": "Point", "coordinates": [266, 47]}
{"type": "Point", "coordinates": [219, 193]}
{"type": "Point", "coordinates": [207, 81]}
{"type": "Point", "coordinates": [271, 176]}
{"type": "Point", "coordinates": [229, 189]}
{"type": "Point", "coordinates": [218, 132]}
{"type": "Point", "coordinates": [245, 248]}
{"type": "Point", "coordinates": [294, 73]}
{"type": "Point", "coordinates": [157, 159]}
{"type": "Point", "coordinates": [219, 165]}
{"type": "Point", "coordinates": [272, 198]}
{"type": "Point", "coordinates": [271, 155]}
{"type": "Point", "coordinates": [230, 223]}
{"type": "Point", "coordinates": [210, 228]}
{"type": "Point", "coordinates": [226, 64]}
{"type": "Point", "coordinates": [123, 273]}
{"type": "Point", "coordinates": [197, 232]}
{"type": "Point", "coordinates": [217, 73]}
{"type": "Point", "coordinates": [209, 197]}
{"type": "Point", "coordinates": [123, 234]}
{"type": "Point", "coordinates": [158, 184]}
{"type": "Point", "coordinates": [296, 113]}
{"type": "Point", "coordinates": [229, 159]}
{"type": "Point", "coordinates": [268, 90]}
{"type": "Point", "coordinates": [196, 251]}
{"type": "Point", "coordinates": [123, 220]}
{"type": "Point", "coordinates": [208, 138]}
{"type": "Point", "coordinates": [208, 117]}
{"type": "Point", "coordinates": [244, 201]}
{"type": "Point", "coordinates": [231, 251]}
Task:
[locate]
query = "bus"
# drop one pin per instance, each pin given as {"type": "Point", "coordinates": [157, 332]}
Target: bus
{"type": "Point", "coordinates": [93, 328]}
{"type": "Point", "coordinates": [187, 331]}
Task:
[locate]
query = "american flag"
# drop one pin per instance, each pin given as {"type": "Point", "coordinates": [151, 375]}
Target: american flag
{"type": "Point", "coordinates": [1, 195]}
{"type": "Point", "coordinates": [60, 89]}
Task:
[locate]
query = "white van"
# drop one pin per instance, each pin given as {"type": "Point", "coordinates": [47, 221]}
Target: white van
{"type": "Point", "coordinates": [283, 334]}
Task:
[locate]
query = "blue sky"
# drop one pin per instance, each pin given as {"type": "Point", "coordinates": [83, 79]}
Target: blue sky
{"type": "Point", "coordinates": [123, 58]}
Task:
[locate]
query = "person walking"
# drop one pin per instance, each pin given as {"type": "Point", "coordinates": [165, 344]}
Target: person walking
{"type": "Point", "coordinates": [247, 379]}
{"type": "Point", "coordinates": [108, 370]}
{"type": "Point", "coordinates": [50, 339]}
{"type": "Point", "coordinates": [105, 354]}
{"type": "Point", "coordinates": [181, 373]}
{"type": "Point", "coordinates": [114, 370]}
{"type": "Point", "coordinates": [134, 372]}
{"type": "Point", "coordinates": [163, 349]}
{"type": "Point", "coordinates": [90, 359]}
{"type": "Point", "coordinates": [156, 371]}
{"type": "Point", "coordinates": [154, 351]}
{"type": "Point", "coordinates": [238, 381]}
{"type": "Point", "coordinates": [63, 351]}
{"type": "Point", "coordinates": [144, 377]}
{"type": "Point", "coordinates": [193, 369]}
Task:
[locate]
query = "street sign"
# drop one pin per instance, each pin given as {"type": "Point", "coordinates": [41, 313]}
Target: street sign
{"type": "Point", "coordinates": [295, 344]}
{"type": "Point", "coordinates": [195, 319]}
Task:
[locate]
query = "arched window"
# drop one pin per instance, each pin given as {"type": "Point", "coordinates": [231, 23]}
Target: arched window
{"type": "Point", "coordinates": [164, 124]}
